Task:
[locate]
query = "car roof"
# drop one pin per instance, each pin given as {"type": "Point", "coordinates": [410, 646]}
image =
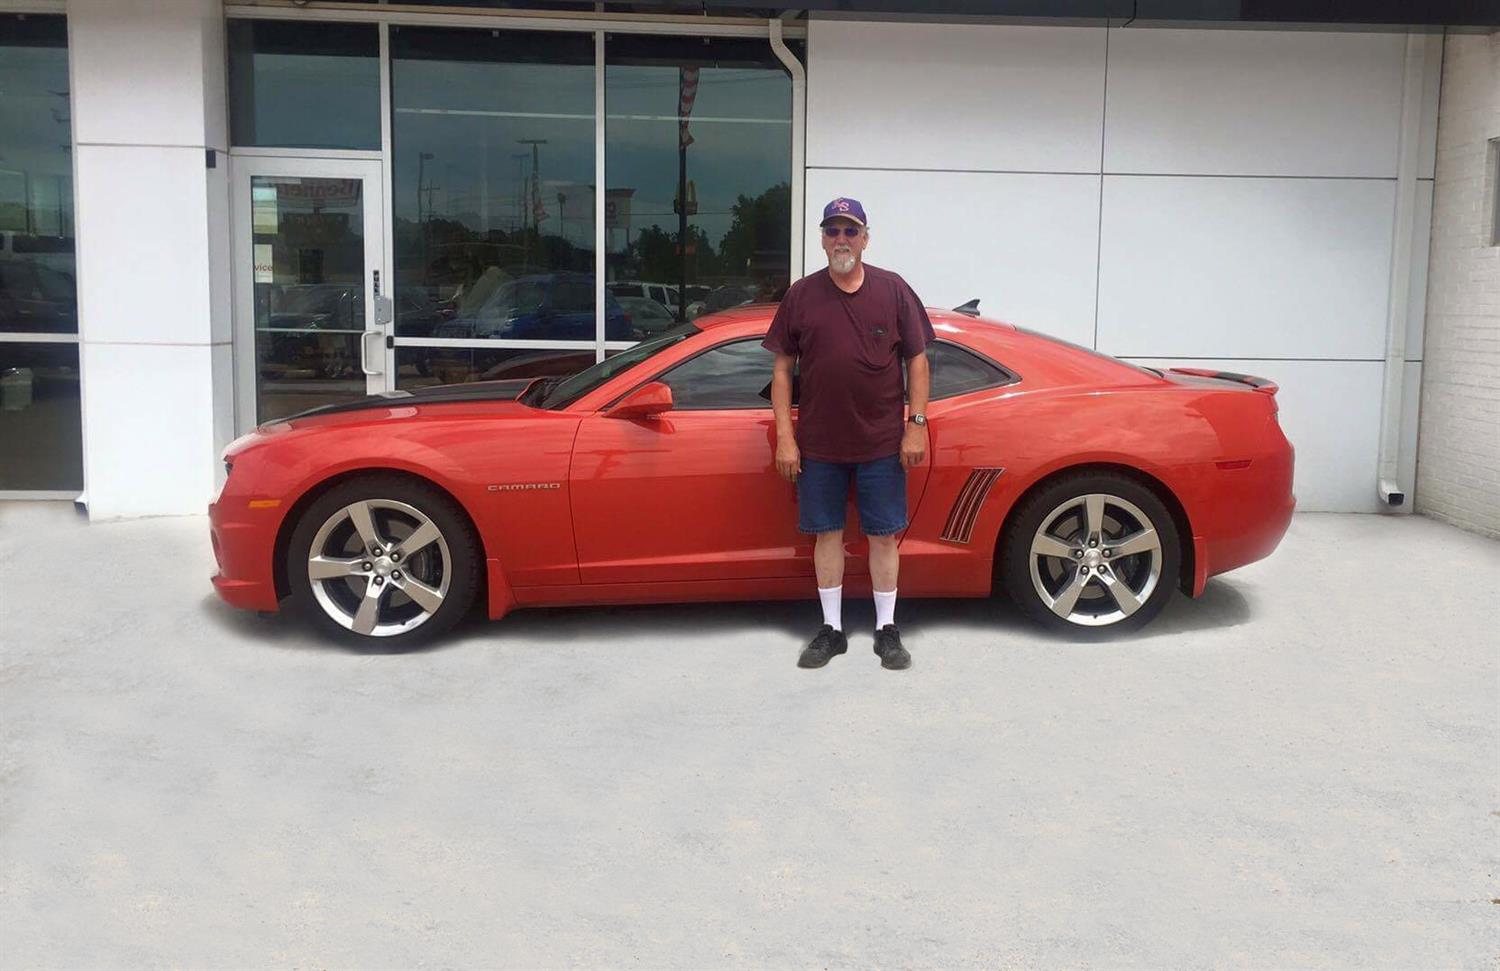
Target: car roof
{"type": "Point", "coordinates": [1043, 359]}
{"type": "Point", "coordinates": [744, 314]}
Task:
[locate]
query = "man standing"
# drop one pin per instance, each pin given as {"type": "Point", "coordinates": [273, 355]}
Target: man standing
{"type": "Point", "coordinates": [849, 328]}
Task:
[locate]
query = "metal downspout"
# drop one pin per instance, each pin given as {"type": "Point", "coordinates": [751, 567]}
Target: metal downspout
{"type": "Point", "coordinates": [1393, 391]}
{"type": "Point", "coordinates": [799, 143]}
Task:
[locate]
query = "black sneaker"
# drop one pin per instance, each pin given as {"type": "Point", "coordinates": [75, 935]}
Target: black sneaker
{"type": "Point", "coordinates": [824, 646]}
{"type": "Point", "coordinates": [888, 647]}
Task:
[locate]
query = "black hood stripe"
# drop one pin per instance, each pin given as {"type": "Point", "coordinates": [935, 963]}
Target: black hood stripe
{"type": "Point", "coordinates": [440, 394]}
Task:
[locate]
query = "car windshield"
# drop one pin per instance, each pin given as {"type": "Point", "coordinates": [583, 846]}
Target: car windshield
{"type": "Point", "coordinates": [563, 393]}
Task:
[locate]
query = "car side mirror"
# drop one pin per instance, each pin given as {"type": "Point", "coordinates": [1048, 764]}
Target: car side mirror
{"type": "Point", "coordinates": [647, 401]}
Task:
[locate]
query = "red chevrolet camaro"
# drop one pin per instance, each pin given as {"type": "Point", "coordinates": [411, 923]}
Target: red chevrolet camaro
{"type": "Point", "coordinates": [1085, 488]}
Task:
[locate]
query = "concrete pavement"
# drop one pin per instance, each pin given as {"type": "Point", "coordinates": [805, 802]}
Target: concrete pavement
{"type": "Point", "coordinates": [1297, 771]}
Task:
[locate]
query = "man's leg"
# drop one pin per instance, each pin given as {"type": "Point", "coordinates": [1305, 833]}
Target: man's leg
{"type": "Point", "coordinates": [881, 490]}
{"type": "Point", "coordinates": [828, 559]}
{"type": "Point", "coordinates": [885, 564]}
{"type": "Point", "coordinates": [822, 493]}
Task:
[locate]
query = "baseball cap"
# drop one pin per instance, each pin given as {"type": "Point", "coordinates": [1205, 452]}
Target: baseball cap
{"type": "Point", "coordinates": [847, 208]}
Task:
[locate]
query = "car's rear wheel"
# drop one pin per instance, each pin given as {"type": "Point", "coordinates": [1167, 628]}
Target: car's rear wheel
{"type": "Point", "coordinates": [1091, 553]}
{"type": "Point", "coordinates": [383, 560]}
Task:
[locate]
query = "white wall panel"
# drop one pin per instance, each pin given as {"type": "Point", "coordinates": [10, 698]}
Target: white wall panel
{"type": "Point", "coordinates": [946, 96]}
{"type": "Point", "coordinates": [138, 70]}
{"type": "Point", "coordinates": [154, 457]}
{"type": "Point", "coordinates": [1211, 267]}
{"type": "Point", "coordinates": [143, 243]}
{"type": "Point", "coordinates": [223, 392]}
{"type": "Point", "coordinates": [1330, 411]}
{"type": "Point", "coordinates": [1254, 102]}
{"type": "Point", "coordinates": [1025, 245]}
{"type": "Point", "coordinates": [219, 257]}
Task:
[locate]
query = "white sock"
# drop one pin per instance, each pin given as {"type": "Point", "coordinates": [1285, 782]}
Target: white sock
{"type": "Point", "coordinates": [833, 606]}
{"type": "Point", "coordinates": [885, 608]}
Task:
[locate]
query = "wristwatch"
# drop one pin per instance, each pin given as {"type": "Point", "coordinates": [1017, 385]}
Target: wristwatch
{"type": "Point", "coordinates": [918, 419]}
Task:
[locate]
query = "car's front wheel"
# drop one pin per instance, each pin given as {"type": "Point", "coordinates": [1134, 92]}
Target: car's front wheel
{"type": "Point", "coordinates": [1090, 553]}
{"type": "Point", "coordinates": [383, 560]}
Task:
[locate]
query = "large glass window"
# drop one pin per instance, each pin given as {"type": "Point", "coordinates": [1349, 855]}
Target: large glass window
{"type": "Point", "coordinates": [493, 161]}
{"type": "Point", "coordinates": [40, 428]}
{"type": "Point", "coordinates": [698, 145]}
{"type": "Point", "coordinates": [304, 85]}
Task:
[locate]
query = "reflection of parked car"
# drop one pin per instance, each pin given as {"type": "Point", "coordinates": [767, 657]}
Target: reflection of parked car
{"type": "Point", "coordinates": [315, 325]}
{"type": "Point", "coordinates": [1086, 488]}
{"type": "Point", "coordinates": [722, 299]}
{"type": "Point", "coordinates": [53, 252]}
{"type": "Point", "coordinates": [539, 364]}
{"type": "Point", "coordinates": [663, 293]}
{"type": "Point", "coordinates": [37, 299]}
{"type": "Point", "coordinates": [646, 315]}
{"type": "Point", "coordinates": [553, 306]}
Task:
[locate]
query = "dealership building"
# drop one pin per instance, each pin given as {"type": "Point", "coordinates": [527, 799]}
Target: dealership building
{"type": "Point", "coordinates": [213, 215]}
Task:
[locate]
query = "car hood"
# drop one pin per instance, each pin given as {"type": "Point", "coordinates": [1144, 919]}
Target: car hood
{"type": "Point", "coordinates": [507, 390]}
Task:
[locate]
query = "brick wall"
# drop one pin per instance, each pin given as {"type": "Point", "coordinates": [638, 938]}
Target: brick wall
{"type": "Point", "coordinates": [1458, 450]}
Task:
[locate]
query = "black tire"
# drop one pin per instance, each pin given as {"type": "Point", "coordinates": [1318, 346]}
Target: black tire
{"type": "Point", "coordinates": [1146, 578]}
{"type": "Point", "coordinates": [443, 574]}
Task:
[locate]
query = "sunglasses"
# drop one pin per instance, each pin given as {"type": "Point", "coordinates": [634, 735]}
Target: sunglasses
{"type": "Point", "coordinates": [832, 231]}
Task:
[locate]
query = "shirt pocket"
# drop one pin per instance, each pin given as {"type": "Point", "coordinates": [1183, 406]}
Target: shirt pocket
{"type": "Point", "coordinates": [877, 344]}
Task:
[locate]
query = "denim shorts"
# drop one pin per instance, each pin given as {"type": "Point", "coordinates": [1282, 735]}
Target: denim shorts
{"type": "Point", "coordinates": [879, 489]}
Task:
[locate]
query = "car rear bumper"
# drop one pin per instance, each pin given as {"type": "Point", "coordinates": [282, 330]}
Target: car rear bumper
{"type": "Point", "coordinates": [244, 540]}
{"type": "Point", "coordinates": [1252, 514]}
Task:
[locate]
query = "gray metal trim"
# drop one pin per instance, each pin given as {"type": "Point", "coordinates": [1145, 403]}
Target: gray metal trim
{"type": "Point", "coordinates": [506, 19]}
{"type": "Point", "coordinates": [20, 337]}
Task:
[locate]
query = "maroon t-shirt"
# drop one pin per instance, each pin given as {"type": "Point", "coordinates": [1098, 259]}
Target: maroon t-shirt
{"type": "Point", "coordinates": [852, 402]}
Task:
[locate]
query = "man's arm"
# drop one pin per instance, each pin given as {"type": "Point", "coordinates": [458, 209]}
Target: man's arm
{"type": "Point", "coordinates": [788, 457]}
{"type": "Point", "coordinates": [918, 384]}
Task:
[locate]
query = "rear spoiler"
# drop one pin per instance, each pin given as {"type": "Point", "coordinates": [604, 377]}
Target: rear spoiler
{"type": "Point", "coordinates": [1263, 385]}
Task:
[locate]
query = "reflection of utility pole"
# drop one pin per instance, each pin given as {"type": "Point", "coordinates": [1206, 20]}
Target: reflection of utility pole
{"type": "Point", "coordinates": [682, 227]}
{"type": "Point", "coordinates": [422, 158]}
{"type": "Point", "coordinates": [536, 178]}
{"type": "Point", "coordinates": [520, 158]}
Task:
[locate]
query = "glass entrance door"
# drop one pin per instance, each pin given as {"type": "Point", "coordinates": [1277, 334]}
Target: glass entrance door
{"type": "Point", "coordinates": [311, 315]}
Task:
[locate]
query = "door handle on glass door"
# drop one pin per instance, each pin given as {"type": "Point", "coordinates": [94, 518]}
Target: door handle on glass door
{"type": "Point", "coordinates": [364, 351]}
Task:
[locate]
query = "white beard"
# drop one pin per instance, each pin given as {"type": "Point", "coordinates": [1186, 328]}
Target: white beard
{"type": "Point", "coordinates": [842, 263]}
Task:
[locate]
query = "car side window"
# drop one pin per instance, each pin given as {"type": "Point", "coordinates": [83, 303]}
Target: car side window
{"type": "Point", "coordinates": [728, 376]}
{"type": "Point", "coordinates": [956, 371]}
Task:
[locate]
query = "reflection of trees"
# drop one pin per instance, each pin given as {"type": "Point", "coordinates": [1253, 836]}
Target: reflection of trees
{"type": "Point", "coordinates": [654, 255]}
{"type": "Point", "coordinates": [759, 239]}
{"type": "Point", "coordinates": [442, 254]}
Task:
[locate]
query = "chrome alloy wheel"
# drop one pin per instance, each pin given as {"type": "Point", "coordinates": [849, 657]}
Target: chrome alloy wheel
{"type": "Point", "coordinates": [379, 567]}
{"type": "Point", "coordinates": [1095, 559]}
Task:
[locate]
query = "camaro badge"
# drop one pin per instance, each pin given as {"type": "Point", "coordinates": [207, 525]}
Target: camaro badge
{"type": "Point", "coordinates": [523, 486]}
